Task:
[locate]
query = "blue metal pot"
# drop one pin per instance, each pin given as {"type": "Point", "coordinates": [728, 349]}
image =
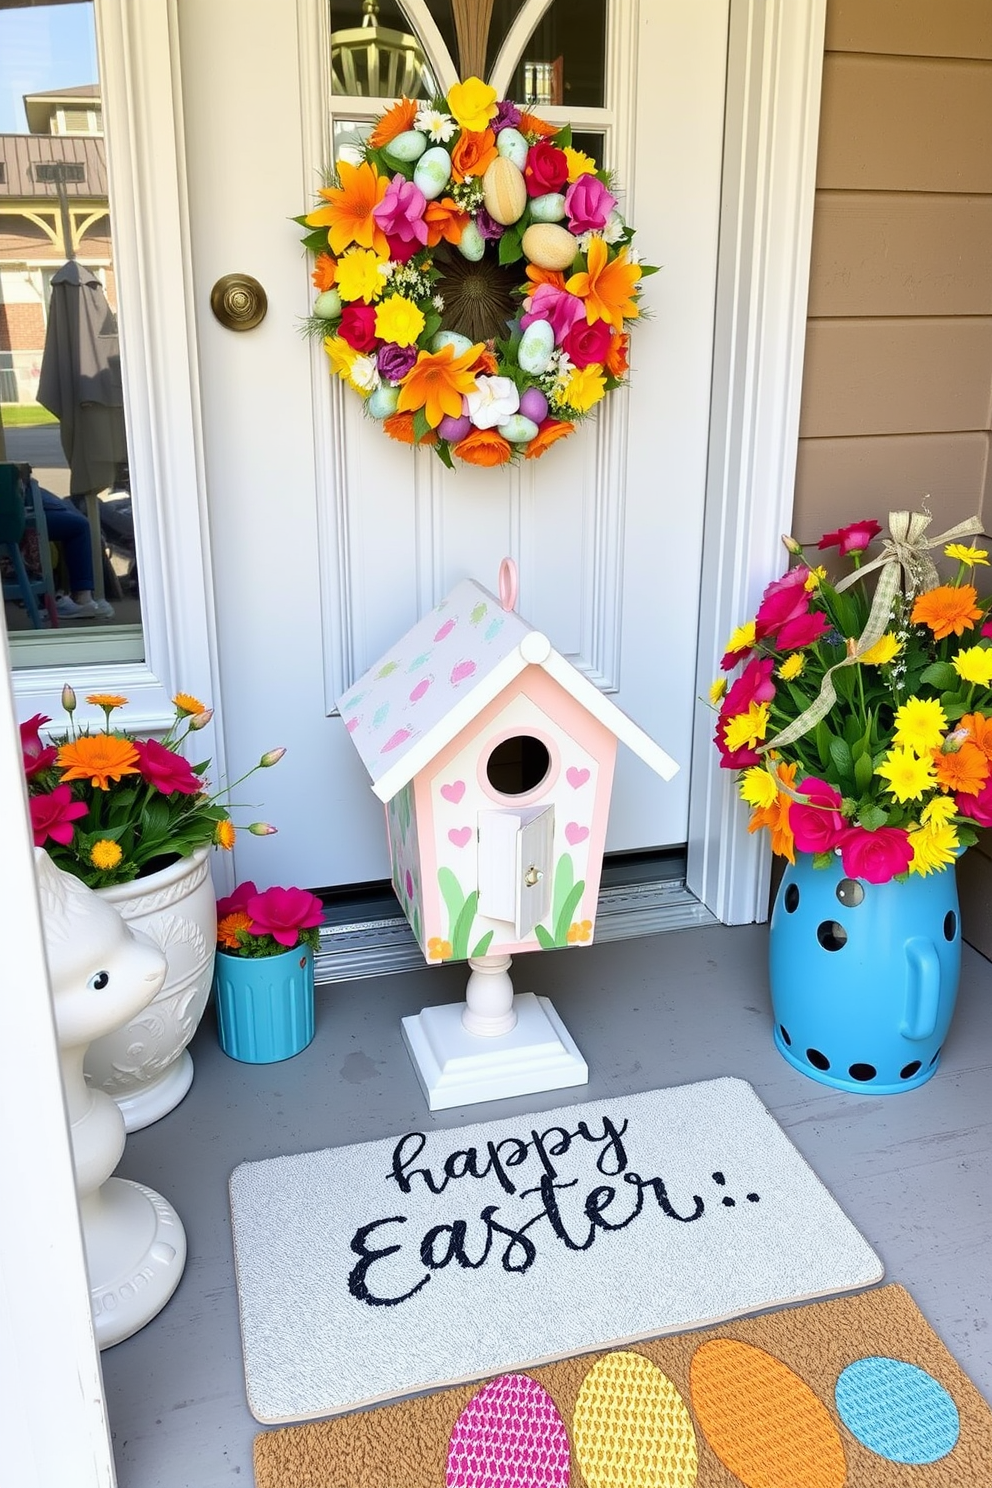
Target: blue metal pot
{"type": "Point", "coordinates": [864, 976]}
{"type": "Point", "coordinates": [265, 1007]}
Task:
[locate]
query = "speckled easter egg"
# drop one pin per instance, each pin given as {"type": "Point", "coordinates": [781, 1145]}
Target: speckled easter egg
{"type": "Point", "coordinates": [406, 147]}
{"type": "Point", "coordinates": [536, 345]}
{"type": "Point", "coordinates": [763, 1422]}
{"type": "Point", "coordinates": [549, 246]}
{"type": "Point", "coordinates": [382, 402]}
{"type": "Point", "coordinates": [510, 1432]}
{"type": "Point", "coordinates": [454, 429]}
{"type": "Point", "coordinates": [534, 405]}
{"type": "Point", "coordinates": [631, 1427]}
{"type": "Point", "coordinates": [518, 429]}
{"type": "Point", "coordinates": [548, 208]}
{"type": "Point", "coordinates": [504, 191]}
{"type": "Point", "coordinates": [432, 171]}
{"type": "Point", "coordinates": [511, 144]}
{"type": "Point", "coordinates": [327, 305]}
{"type": "Point", "coordinates": [471, 244]}
{"type": "Point", "coordinates": [454, 339]}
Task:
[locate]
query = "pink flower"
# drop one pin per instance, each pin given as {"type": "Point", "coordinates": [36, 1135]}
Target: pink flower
{"type": "Point", "coordinates": [546, 169]}
{"type": "Point", "coordinates": [357, 327]}
{"type": "Point", "coordinates": [36, 755]}
{"type": "Point", "coordinates": [53, 815]}
{"type": "Point", "coordinates": [237, 900]}
{"type": "Point", "coordinates": [818, 826]}
{"type": "Point", "coordinates": [283, 913]}
{"type": "Point", "coordinates": [875, 856]}
{"type": "Point", "coordinates": [785, 599]}
{"type": "Point", "coordinates": [400, 214]}
{"type": "Point", "coordinates": [166, 771]}
{"type": "Point", "coordinates": [802, 631]}
{"type": "Point", "coordinates": [978, 808]}
{"type": "Point", "coordinates": [754, 685]}
{"type": "Point", "coordinates": [562, 309]}
{"type": "Point", "coordinates": [737, 759]}
{"type": "Point", "coordinates": [585, 344]}
{"type": "Point", "coordinates": [851, 539]}
{"type": "Point", "coordinates": [588, 204]}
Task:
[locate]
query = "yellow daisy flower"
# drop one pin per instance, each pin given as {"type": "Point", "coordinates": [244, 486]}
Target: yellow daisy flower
{"type": "Point", "coordinates": [472, 104]}
{"type": "Point", "coordinates": [934, 848]}
{"type": "Point", "coordinates": [106, 700]}
{"type": "Point", "coordinates": [358, 275]}
{"type": "Point", "coordinates": [717, 690]}
{"type": "Point", "coordinates": [814, 579]}
{"type": "Point", "coordinates": [974, 665]}
{"type": "Point", "coordinates": [224, 835]}
{"type": "Point", "coordinates": [745, 730]}
{"type": "Point", "coordinates": [792, 666]}
{"type": "Point", "coordinates": [342, 356]}
{"type": "Point", "coordinates": [758, 787]}
{"type": "Point", "coordinates": [908, 776]}
{"type": "Point", "coordinates": [743, 638]}
{"type": "Point", "coordinates": [399, 320]}
{"type": "Point", "coordinates": [938, 812]}
{"type": "Point", "coordinates": [185, 703]}
{"type": "Point", "coordinates": [105, 854]}
{"type": "Point", "coordinates": [584, 387]}
{"type": "Point", "coordinates": [882, 652]}
{"type": "Point", "coordinates": [920, 725]}
{"type": "Point", "coordinates": [579, 164]}
{"type": "Point", "coordinates": [969, 555]}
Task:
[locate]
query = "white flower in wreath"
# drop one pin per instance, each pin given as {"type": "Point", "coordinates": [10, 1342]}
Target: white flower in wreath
{"type": "Point", "coordinates": [364, 374]}
{"type": "Point", "coordinates": [492, 402]}
{"type": "Point", "coordinates": [440, 127]}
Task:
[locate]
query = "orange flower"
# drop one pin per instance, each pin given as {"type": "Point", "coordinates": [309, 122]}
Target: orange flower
{"type": "Point", "coordinates": [446, 220]}
{"type": "Point", "coordinates": [486, 362]}
{"type": "Point", "coordinates": [980, 731]}
{"type": "Point", "coordinates": [324, 271]}
{"type": "Point", "coordinates": [531, 124]}
{"type": "Point", "coordinates": [228, 927]}
{"type": "Point", "coordinates": [607, 286]}
{"type": "Point", "coordinates": [579, 931]}
{"type": "Point", "coordinates": [473, 154]}
{"type": "Point", "coordinates": [947, 610]}
{"type": "Point", "coordinates": [225, 835]}
{"type": "Point", "coordinates": [483, 447]}
{"type": "Point", "coordinates": [399, 426]}
{"type": "Point", "coordinates": [348, 215]}
{"type": "Point", "coordinates": [616, 358]}
{"type": "Point", "coordinates": [436, 382]}
{"type": "Point", "coordinates": [106, 699]}
{"type": "Point", "coordinates": [965, 770]}
{"type": "Point", "coordinates": [776, 816]}
{"type": "Point", "coordinates": [438, 949]}
{"type": "Point", "coordinates": [545, 276]}
{"type": "Point", "coordinates": [548, 434]}
{"type": "Point", "coordinates": [396, 120]}
{"type": "Point", "coordinates": [98, 758]}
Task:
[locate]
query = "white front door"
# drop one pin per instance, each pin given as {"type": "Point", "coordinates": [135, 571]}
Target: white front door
{"type": "Point", "coordinates": [328, 540]}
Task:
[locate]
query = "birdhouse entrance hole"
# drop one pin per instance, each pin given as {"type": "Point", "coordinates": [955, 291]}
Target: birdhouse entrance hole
{"type": "Point", "coordinates": [518, 765]}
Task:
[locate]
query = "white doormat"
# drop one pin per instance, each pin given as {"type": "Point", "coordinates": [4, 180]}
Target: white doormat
{"type": "Point", "coordinates": [436, 1257]}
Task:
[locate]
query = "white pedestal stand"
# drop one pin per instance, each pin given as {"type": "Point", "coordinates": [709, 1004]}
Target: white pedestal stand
{"type": "Point", "coordinates": [493, 1045]}
{"type": "Point", "coordinates": [102, 974]}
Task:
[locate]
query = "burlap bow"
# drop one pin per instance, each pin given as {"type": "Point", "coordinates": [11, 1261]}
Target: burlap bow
{"type": "Point", "coordinates": [904, 555]}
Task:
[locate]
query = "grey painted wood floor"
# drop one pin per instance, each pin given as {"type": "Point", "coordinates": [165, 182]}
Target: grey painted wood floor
{"type": "Point", "coordinates": [911, 1170]}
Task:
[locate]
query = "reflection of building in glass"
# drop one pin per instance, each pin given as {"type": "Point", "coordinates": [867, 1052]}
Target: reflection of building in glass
{"type": "Point", "coordinates": [53, 207]}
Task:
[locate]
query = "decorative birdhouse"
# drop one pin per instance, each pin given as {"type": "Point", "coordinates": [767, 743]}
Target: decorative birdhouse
{"type": "Point", "coordinates": [494, 758]}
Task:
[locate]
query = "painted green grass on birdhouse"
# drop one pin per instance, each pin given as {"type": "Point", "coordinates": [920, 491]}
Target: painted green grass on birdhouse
{"type": "Point", "coordinates": [567, 893]}
{"type": "Point", "coordinates": [462, 909]}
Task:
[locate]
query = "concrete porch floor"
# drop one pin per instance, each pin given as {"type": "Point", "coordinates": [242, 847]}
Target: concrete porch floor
{"type": "Point", "coordinates": [912, 1170]}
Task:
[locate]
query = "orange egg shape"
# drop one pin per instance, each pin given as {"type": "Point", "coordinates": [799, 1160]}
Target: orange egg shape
{"type": "Point", "coordinates": [763, 1422]}
{"type": "Point", "coordinates": [510, 1435]}
{"type": "Point", "coordinates": [631, 1428]}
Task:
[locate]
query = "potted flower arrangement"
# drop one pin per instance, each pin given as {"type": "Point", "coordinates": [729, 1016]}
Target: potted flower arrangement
{"type": "Point", "coordinates": [263, 977]}
{"type": "Point", "coordinates": [859, 722]}
{"type": "Point", "coordinates": [135, 820]}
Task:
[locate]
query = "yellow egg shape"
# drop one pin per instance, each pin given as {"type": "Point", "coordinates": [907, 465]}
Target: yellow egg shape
{"type": "Point", "coordinates": [631, 1428]}
{"type": "Point", "coordinates": [763, 1422]}
{"type": "Point", "coordinates": [549, 246]}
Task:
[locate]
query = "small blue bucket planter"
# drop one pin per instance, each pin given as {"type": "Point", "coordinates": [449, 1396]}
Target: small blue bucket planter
{"type": "Point", "coordinates": [864, 976]}
{"type": "Point", "coordinates": [265, 1006]}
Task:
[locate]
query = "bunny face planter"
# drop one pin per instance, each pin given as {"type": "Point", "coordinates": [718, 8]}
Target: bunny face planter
{"type": "Point", "coordinates": [101, 974]}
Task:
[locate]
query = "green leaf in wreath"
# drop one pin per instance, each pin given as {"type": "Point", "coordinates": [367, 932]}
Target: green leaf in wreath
{"type": "Point", "coordinates": [443, 451]}
{"type": "Point", "coordinates": [420, 425]}
{"type": "Point", "coordinates": [942, 676]}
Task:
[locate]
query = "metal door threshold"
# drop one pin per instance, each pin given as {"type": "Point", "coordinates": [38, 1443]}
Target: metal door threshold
{"type": "Point", "coordinates": [367, 937]}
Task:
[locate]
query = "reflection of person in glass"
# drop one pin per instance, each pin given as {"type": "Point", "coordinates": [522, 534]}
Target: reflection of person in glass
{"type": "Point", "coordinates": [71, 530]}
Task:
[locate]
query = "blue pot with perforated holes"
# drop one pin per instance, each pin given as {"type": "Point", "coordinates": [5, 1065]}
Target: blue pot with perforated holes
{"type": "Point", "coordinates": [863, 976]}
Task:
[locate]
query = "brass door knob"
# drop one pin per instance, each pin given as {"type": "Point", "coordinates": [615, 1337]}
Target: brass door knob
{"type": "Point", "coordinates": [239, 302]}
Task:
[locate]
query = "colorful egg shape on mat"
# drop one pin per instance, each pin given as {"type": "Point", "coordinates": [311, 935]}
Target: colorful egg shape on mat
{"type": "Point", "coordinates": [631, 1427]}
{"type": "Point", "coordinates": [763, 1422]}
{"type": "Point", "coordinates": [897, 1411]}
{"type": "Point", "coordinates": [510, 1433]}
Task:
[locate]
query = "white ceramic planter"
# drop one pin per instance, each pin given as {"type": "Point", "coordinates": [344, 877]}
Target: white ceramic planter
{"type": "Point", "coordinates": [145, 1065]}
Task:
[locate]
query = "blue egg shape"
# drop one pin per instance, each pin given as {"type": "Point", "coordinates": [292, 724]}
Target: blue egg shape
{"type": "Point", "coordinates": [897, 1410]}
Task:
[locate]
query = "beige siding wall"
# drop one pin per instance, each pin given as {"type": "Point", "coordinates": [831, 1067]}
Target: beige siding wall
{"type": "Point", "coordinates": [897, 392]}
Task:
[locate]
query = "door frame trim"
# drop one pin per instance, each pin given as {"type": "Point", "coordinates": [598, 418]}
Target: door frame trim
{"type": "Point", "coordinates": [776, 54]}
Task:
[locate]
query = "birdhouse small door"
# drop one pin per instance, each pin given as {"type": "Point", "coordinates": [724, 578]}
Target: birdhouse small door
{"type": "Point", "coordinates": [516, 863]}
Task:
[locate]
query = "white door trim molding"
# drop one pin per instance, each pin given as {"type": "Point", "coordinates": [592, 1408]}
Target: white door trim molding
{"type": "Point", "coordinates": [772, 125]}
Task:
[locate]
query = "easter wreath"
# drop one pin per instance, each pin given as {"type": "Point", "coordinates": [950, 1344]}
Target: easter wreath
{"type": "Point", "coordinates": [475, 280]}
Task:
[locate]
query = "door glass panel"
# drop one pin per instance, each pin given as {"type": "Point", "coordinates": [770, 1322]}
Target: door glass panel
{"type": "Point", "coordinates": [67, 550]}
{"type": "Point", "coordinates": [564, 62]}
{"type": "Point", "coordinates": [374, 53]}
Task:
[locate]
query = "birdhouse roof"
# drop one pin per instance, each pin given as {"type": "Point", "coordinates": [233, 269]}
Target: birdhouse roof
{"type": "Point", "coordinates": [435, 680]}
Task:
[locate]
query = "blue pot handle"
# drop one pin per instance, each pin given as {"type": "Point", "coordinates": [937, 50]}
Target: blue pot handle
{"type": "Point", "coordinates": [922, 988]}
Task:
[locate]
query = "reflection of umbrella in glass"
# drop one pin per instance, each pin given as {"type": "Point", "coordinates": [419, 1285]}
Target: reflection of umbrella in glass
{"type": "Point", "coordinates": [80, 379]}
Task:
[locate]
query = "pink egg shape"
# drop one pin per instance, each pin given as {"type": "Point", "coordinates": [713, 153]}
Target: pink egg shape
{"type": "Point", "coordinates": [454, 429]}
{"type": "Point", "coordinates": [510, 1435]}
{"type": "Point", "coordinates": [444, 630]}
{"type": "Point", "coordinates": [420, 689]}
{"type": "Point", "coordinates": [534, 405]}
